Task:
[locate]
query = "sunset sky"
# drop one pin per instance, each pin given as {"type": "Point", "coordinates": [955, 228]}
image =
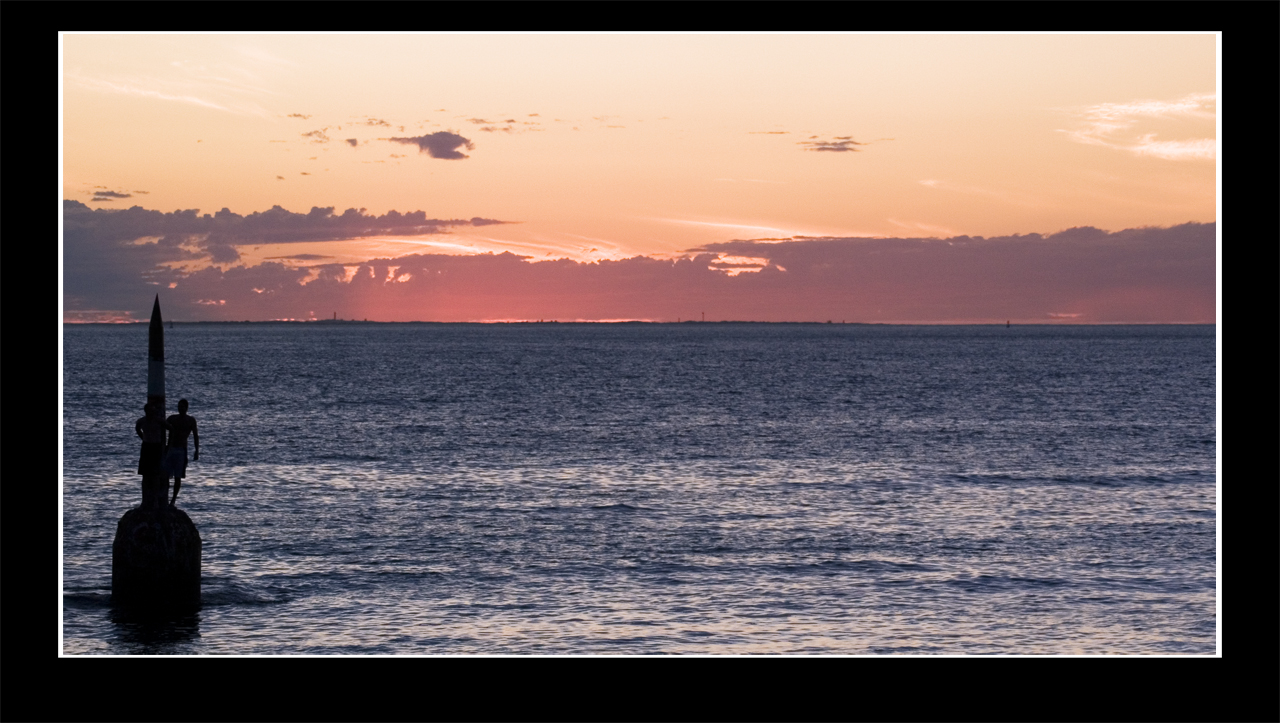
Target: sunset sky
{"type": "Point", "coordinates": [909, 178]}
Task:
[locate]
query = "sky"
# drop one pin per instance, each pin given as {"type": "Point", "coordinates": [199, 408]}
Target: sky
{"type": "Point", "coordinates": [891, 178]}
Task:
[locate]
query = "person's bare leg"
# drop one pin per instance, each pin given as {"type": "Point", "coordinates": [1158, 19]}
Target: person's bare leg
{"type": "Point", "coordinates": [177, 483]}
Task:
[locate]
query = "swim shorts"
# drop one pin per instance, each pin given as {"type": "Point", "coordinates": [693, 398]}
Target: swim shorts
{"type": "Point", "coordinates": [175, 462]}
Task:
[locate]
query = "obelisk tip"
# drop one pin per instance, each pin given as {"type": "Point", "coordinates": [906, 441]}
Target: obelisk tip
{"type": "Point", "coordinates": [155, 340]}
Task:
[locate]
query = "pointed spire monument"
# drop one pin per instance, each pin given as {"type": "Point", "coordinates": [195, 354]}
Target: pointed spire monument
{"type": "Point", "coordinates": [155, 357]}
{"type": "Point", "coordinates": [156, 554]}
{"type": "Point", "coordinates": [155, 486]}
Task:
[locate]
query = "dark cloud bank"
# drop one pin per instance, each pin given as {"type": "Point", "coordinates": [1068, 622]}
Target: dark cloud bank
{"type": "Point", "coordinates": [1153, 275]}
{"type": "Point", "coordinates": [104, 264]}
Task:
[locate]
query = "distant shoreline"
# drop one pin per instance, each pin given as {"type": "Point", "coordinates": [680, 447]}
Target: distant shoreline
{"type": "Point", "coordinates": [335, 322]}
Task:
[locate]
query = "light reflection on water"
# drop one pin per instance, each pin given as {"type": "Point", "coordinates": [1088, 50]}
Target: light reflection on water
{"type": "Point", "coordinates": [804, 491]}
{"type": "Point", "coordinates": [590, 560]}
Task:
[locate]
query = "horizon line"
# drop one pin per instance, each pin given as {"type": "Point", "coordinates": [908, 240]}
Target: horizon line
{"type": "Point", "coordinates": [651, 321]}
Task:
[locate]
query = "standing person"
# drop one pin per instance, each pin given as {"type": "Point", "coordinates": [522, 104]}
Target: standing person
{"type": "Point", "coordinates": [150, 429]}
{"type": "Point", "coordinates": [180, 425]}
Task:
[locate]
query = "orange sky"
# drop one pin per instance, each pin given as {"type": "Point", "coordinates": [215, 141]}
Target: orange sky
{"type": "Point", "coordinates": [612, 146]}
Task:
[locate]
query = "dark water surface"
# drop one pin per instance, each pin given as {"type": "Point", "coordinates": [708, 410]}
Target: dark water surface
{"type": "Point", "coordinates": [642, 488]}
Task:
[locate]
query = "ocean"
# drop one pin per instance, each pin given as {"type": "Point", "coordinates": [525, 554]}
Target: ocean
{"type": "Point", "coordinates": [646, 489]}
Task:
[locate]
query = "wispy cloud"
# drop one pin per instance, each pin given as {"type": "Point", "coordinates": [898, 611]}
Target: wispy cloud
{"type": "Point", "coordinates": [236, 86]}
{"type": "Point", "coordinates": [1011, 197]}
{"type": "Point", "coordinates": [746, 227]}
{"type": "Point", "coordinates": [928, 228]}
{"type": "Point", "coordinates": [1126, 127]}
{"type": "Point", "coordinates": [300, 257]}
{"type": "Point", "coordinates": [263, 58]}
{"type": "Point", "coordinates": [100, 196]}
{"type": "Point", "coordinates": [139, 89]}
{"type": "Point", "coordinates": [734, 226]}
{"type": "Point", "coordinates": [839, 144]}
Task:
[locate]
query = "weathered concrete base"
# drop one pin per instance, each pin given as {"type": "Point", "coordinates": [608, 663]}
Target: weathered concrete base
{"type": "Point", "coordinates": [156, 560]}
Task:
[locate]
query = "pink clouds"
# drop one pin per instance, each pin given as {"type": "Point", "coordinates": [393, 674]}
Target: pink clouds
{"type": "Point", "coordinates": [1082, 275]}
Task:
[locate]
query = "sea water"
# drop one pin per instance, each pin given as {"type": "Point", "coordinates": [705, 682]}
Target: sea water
{"type": "Point", "coordinates": [696, 488]}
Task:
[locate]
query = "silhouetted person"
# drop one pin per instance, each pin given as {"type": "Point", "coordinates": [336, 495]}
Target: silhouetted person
{"type": "Point", "coordinates": [180, 426]}
{"type": "Point", "coordinates": [150, 429]}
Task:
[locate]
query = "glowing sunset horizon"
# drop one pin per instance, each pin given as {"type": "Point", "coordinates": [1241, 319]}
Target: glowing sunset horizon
{"type": "Point", "coordinates": [878, 178]}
